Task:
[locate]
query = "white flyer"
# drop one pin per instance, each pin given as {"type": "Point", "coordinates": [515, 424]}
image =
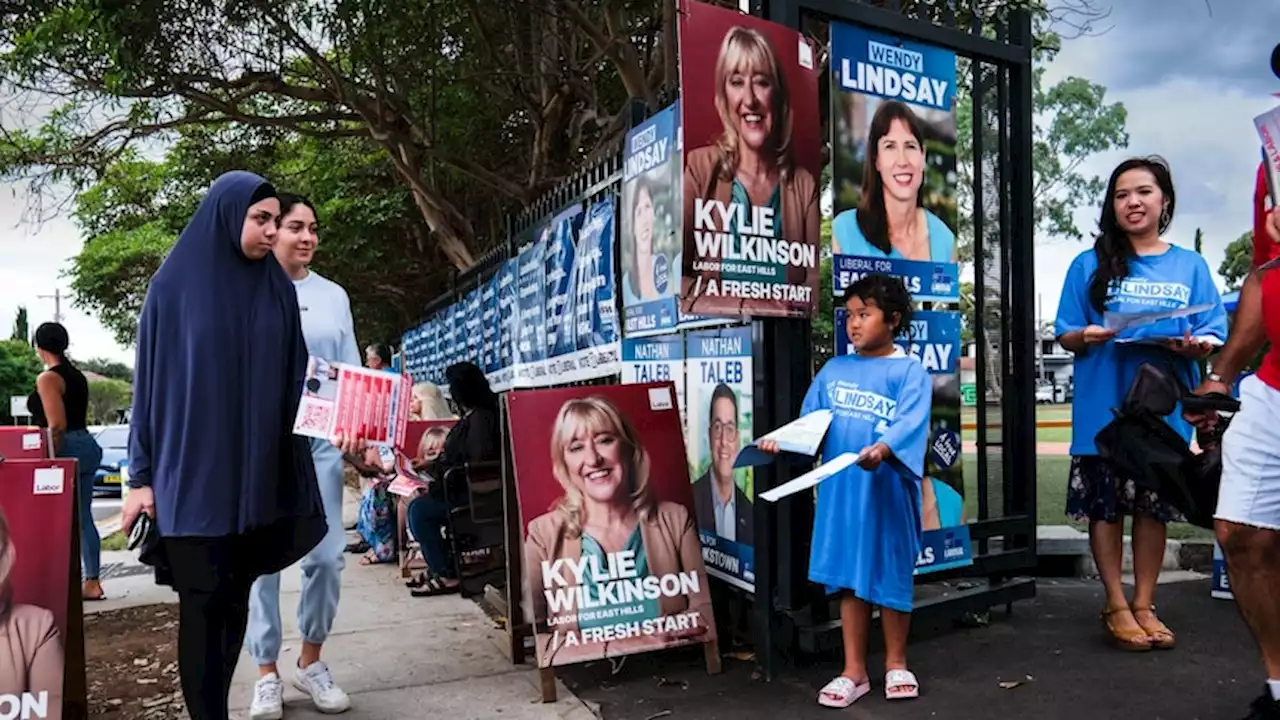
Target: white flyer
{"type": "Point", "coordinates": [1120, 322]}
{"type": "Point", "coordinates": [802, 436]}
{"type": "Point", "coordinates": [811, 478]}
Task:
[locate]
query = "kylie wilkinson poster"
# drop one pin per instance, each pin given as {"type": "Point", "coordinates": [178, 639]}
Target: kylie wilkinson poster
{"type": "Point", "coordinates": [613, 560]}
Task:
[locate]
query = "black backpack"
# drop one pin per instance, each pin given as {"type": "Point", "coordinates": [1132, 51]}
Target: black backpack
{"type": "Point", "coordinates": [1142, 446]}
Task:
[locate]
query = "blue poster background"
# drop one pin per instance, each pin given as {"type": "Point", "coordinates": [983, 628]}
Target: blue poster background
{"type": "Point", "coordinates": [649, 153]}
{"type": "Point", "coordinates": [489, 325]}
{"type": "Point", "coordinates": [508, 315]}
{"type": "Point", "coordinates": [926, 281]}
{"type": "Point", "coordinates": [885, 66]}
{"type": "Point", "coordinates": [935, 339]}
{"type": "Point", "coordinates": [594, 309]}
{"type": "Point", "coordinates": [474, 324]}
{"type": "Point", "coordinates": [531, 331]}
{"type": "Point", "coordinates": [558, 288]}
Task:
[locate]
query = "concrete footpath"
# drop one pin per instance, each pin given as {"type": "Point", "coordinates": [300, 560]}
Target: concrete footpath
{"type": "Point", "coordinates": [396, 655]}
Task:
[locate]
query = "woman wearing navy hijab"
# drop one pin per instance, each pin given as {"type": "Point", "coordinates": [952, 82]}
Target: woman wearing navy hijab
{"type": "Point", "coordinates": [212, 455]}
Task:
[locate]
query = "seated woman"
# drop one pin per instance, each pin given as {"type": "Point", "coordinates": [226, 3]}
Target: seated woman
{"type": "Point", "coordinates": [474, 438]}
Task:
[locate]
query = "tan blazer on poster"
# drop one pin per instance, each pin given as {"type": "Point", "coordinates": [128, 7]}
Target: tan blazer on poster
{"type": "Point", "coordinates": [801, 223]}
{"type": "Point", "coordinates": [31, 655]}
{"type": "Point", "coordinates": [671, 545]}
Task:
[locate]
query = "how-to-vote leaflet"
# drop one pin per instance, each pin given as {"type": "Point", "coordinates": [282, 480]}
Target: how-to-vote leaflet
{"type": "Point", "coordinates": [503, 378]}
{"type": "Point", "coordinates": [615, 454]}
{"type": "Point", "coordinates": [355, 402]}
{"type": "Point", "coordinates": [561, 245]}
{"type": "Point", "coordinates": [489, 358]}
{"type": "Point", "coordinates": [719, 385]}
{"type": "Point", "coordinates": [750, 243]}
{"type": "Point", "coordinates": [650, 241]}
{"type": "Point", "coordinates": [531, 328]}
{"type": "Point", "coordinates": [893, 107]}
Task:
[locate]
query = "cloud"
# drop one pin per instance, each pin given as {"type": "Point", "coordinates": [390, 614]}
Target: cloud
{"type": "Point", "coordinates": [1182, 77]}
{"type": "Point", "coordinates": [34, 257]}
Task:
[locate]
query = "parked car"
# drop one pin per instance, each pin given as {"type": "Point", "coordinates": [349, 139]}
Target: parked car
{"type": "Point", "coordinates": [1044, 395]}
{"type": "Point", "coordinates": [114, 440]}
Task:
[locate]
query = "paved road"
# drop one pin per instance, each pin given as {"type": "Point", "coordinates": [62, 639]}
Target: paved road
{"type": "Point", "coordinates": [104, 508]}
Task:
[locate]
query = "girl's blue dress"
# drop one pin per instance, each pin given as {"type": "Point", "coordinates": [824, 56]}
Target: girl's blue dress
{"type": "Point", "coordinates": [866, 530]}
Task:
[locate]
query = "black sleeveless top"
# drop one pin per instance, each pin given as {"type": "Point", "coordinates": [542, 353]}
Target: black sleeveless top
{"type": "Point", "coordinates": [75, 399]}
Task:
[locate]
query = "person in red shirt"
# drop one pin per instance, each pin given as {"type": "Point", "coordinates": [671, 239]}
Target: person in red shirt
{"type": "Point", "coordinates": [1248, 512]}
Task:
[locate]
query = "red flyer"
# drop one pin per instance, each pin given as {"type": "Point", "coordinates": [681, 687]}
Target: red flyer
{"type": "Point", "coordinates": [338, 398]}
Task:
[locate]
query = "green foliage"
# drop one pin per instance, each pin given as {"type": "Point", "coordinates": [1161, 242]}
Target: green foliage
{"type": "Point", "coordinates": [21, 328]}
{"type": "Point", "coordinates": [19, 367]}
{"type": "Point", "coordinates": [106, 398]}
{"type": "Point", "coordinates": [107, 369]}
{"type": "Point", "coordinates": [1238, 261]}
{"type": "Point", "coordinates": [111, 274]}
{"type": "Point", "coordinates": [824, 330]}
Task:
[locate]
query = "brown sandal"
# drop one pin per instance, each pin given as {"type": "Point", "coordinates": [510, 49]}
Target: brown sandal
{"type": "Point", "coordinates": [1161, 636]}
{"type": "Point", "coordinates": [1136, 640]}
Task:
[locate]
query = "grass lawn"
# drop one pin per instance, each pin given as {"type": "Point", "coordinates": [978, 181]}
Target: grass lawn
{"type": "Point", "coordinates": [1051, 496]}
{"type": "Point", "coordinates": [114, 541]}
{"type": "Point", "coordinates": [1043, 413]}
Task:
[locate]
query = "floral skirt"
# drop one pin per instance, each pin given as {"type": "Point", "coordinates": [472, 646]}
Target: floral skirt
{"type": "Point", "coordinates": [1097, 494]}
{"type": "Point", "coordinates": [376, 522]}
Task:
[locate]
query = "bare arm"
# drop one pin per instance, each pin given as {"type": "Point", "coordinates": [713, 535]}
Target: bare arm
{"type": "Point", "coordinates": [51, 388]}
{"type": "Point", "coordinates": [1248, 335]}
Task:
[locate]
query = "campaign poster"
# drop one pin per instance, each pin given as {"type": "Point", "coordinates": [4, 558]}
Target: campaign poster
{"type": "Point", "coordinates": [434, 342]}
{"type": "Point", "coordinates": [558, 262]}
{"type": "Point", "coordinates": [473, 324]}
{"type": "Point", "coordinates": [595, 308]}
{"type": "Point", "coordinates": [613, 562]}
{"type": "Point", "coordinates": [718, 387]}
{"type": "Point", "coordinates": [1220, 586]}
{"type": "Point", "coordinates": [655, 360]}
{"type": "Point", "coordinates": [893, 140]}
{"type": "Point", "coordinates": [531, 331]}
{"type": "Point", "coordinates": [945, 543]}
{"type": "Point", "coordinates": [752, 160]}
{"type": "Point", "coordinates": [934, 339]}
{"type": "Point", "coordinates": [489, 360]}
{"type": "Point", "coordinates": [650, 238]}
{"type": "Point", "coordinates": [36, 513]}
{"type": "Point", "coordinates": [508, 325]}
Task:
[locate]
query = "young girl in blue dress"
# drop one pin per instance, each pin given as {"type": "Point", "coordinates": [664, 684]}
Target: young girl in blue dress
{"type": "Point", "coordinates": [866, 532]}
{"type": "Point", "coordinates": [1131, 269]}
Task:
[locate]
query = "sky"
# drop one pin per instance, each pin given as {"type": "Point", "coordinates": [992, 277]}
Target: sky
{"type": "Point", "coordinates": [1192, 74]}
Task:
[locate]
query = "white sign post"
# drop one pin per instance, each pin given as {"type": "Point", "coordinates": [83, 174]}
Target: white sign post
{"type": "Point", "coordinates": [18, 407]}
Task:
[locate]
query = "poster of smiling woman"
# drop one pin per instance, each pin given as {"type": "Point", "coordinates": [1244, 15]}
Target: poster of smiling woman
{"type": "Point", "coordinates": [613, 562]}
{"type": "Point", "coordinates": [893, 128]}
{"type": "Point", "coordinates": [749, 100]}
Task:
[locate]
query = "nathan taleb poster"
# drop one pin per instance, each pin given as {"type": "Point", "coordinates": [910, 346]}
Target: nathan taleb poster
{"type": "Point", "coordinates": [35, 557]}
{"type": "Point", "coordinates": [656, 359]}
{"type": "Point", "coordinates": [719, 386]}
{"type": "Point", "coordinates": [750, 221]}
{"type": "Point", "coordinates": [893, 142]}
{"type": "Point", "coordinates": [612, 558]}
{"type": "Point", "coordinates": [650, 222]}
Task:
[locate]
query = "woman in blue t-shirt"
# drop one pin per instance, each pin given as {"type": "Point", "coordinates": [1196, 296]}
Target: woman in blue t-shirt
{"type": "Point", "coordinates": [1131, 270]}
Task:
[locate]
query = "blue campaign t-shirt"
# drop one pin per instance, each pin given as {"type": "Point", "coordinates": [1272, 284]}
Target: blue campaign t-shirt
{"type": "Point", "coordinates": [849, 239]}
{"type": "Point", "coordinates": [1176, 278]}
{"type": "Point", "coordinates": [866, 528]}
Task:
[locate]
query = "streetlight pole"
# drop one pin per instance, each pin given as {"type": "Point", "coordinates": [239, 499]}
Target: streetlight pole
{"type": "Point", "coordinates": [56, 297]}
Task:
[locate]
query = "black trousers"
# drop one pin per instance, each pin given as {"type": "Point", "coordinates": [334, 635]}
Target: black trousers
{"type": "Point", "coordinates": [213, 582]}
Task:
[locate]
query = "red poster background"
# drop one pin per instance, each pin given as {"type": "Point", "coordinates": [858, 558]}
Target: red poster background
{"type": "Point", "coordinates": [532, 416]}
{"type": "Point", "coordinates": [40, 526]}
{"type": "Point", "coordinates": [11, 443]}
{"type": "Point", "coordinates": [415, 429]}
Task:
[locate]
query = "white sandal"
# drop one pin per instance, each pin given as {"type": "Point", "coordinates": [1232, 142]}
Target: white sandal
{"type": "Point", "coordinates": [842, 692]}
{"type": "Point", "coordinates": [896, 683]}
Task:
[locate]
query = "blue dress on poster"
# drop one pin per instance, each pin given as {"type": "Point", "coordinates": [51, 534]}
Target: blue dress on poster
{"type": "Point", "coordinates": [849, 240]}
{"type": "Point", "coordinates": [866, 529]}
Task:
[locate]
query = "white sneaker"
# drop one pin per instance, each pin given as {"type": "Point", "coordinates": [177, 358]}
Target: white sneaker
{"type": "Point", "coordinates": [268, 699]}
{"type": "Point", "coordinates": [317, 683]}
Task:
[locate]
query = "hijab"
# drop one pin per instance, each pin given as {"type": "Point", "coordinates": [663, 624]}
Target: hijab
{"type": "Point", "coordinates": [217, 383]}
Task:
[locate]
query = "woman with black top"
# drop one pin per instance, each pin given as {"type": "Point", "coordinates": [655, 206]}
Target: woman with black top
{"type": "Point", "coordinates": [474, 438]}
{"type": "Point", "coordinates": [61, 403]}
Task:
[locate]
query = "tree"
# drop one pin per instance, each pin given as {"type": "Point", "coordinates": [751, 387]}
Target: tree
{"type": "Point", "coordinates": [21, 330]}
{"type": "Point", "coordinates": [106, 398]}
{"type": "Point", "coordinates": [1238, 261]}
{"type": "Point", "coordinates": [19, 367]}
{"type": "Point", "coordinates": [107, 369]}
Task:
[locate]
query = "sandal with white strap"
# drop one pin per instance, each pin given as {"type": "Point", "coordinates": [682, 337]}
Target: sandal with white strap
{"type": "Point", "coordinates": [842, 692]}
{"type": "Point", "coordinates": [901, 685]}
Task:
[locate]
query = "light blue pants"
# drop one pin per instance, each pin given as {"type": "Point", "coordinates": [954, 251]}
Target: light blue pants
{"type": "Point", "coordinates": [321, 573]}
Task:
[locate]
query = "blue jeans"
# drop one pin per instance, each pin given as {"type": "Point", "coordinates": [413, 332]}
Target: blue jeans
{"type": "Point", "coordinates": [427, 518]}
{"type": "Point", "coordinates": [321, 573]}
{"type": "Point", "coordinates": [81, 446]}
